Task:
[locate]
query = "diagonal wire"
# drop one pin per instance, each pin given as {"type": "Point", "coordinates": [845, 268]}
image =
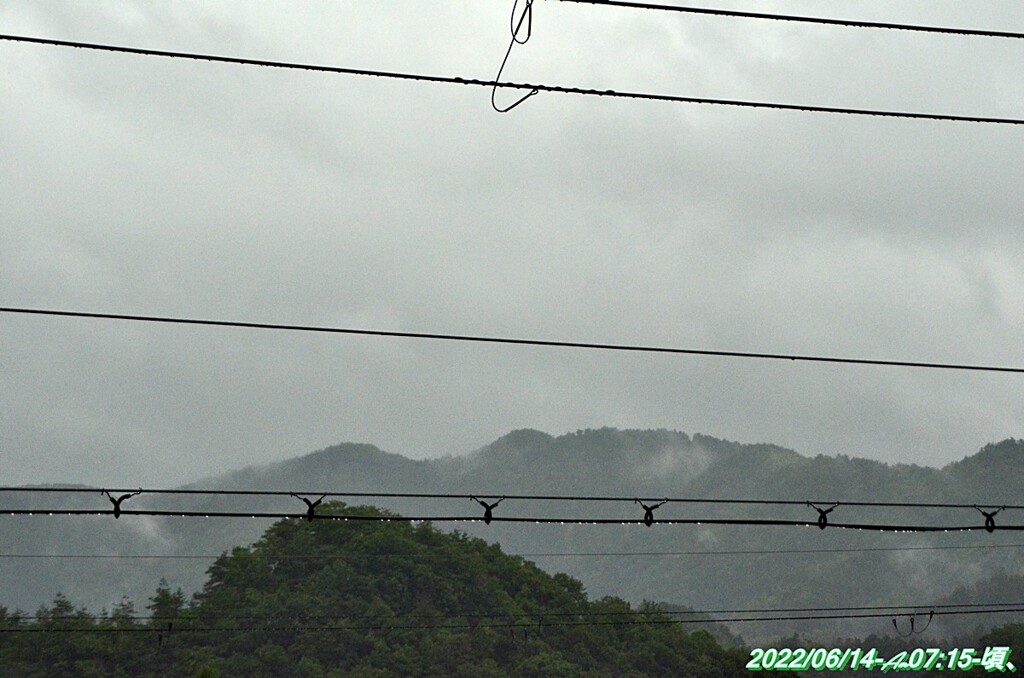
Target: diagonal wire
{"type": "Point", "coordinates": [849, 23]}
{"type": "Point", "coordinates": [511, 85]}
{"type": "Point", "coordinates": [510, 340]}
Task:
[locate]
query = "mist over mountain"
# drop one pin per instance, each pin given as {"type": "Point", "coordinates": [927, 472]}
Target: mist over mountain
{"type": "Point", "coordinates": [831, 568]}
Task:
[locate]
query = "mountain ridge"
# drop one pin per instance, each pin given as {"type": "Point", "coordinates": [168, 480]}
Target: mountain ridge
{"type": "Point", "coordinates": [602, 461]}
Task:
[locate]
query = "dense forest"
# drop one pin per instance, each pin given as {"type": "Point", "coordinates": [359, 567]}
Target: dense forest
{"type": "Point", "coordinates": [333, 598]}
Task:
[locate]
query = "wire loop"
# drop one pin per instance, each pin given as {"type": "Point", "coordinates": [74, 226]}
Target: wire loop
{"type": "Point", "coordinates": [526, 16]}
{"type": "Point", "coordinates": [912, 631]}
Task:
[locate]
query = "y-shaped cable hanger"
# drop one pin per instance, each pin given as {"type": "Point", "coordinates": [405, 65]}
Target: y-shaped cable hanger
{"type": "Point", "coordinates": [488, 508]}
{"type": "Point", "coordinates": [310, 505]}
{"type": "Point", "coordinates": [117, 502]}
{"type": "Point", "coordinates": [526, 16]}
{"type": "Point", "coordinates": [649, 511]}
{"type": "Point", "coordinates": [823, 514]}
{"type": "Point", "coordinates": [912, 631]}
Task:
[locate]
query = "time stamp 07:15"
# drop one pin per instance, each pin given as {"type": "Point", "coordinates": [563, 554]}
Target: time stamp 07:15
{"type": "Point", "coordinates": [992, 659]}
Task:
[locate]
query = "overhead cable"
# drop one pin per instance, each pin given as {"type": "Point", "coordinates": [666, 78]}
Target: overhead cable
{"type": "Point", "coordinates": [538, 520]}
{"type": "Point", "coordinates": [547, 554]}
{"type": "Point", "coordinates": [620, 94]}
{"type": "Point", "coordinates": [488, 514]}
{"type": "Point", "coordinates": [391, 626]}
{"type": "Point", "coordinates": [511, 340]}
{"type": "Point", "coordinates": [850, 23]}
{"type": "Point", "coordinates": [518, 497]}
{"type": "Point", "coordinates": [908, 609]}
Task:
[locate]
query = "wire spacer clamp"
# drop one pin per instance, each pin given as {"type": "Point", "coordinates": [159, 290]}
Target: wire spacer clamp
{"type": "Point", "coordinates": [310, 505]}
{"type": "Point", "coordinates": [117, 501]}
{"type": "Point", "coordinates": [990, 517]}
{"type": "Point", "coordinates": [649, 510]}
{"type": "Point", "coordinates": [488, 508]}
{"type": "Point", "coordinates": [823, 514]}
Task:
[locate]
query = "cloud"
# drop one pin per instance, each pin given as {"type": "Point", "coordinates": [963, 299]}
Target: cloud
{"type": "Point", "coordinates": [155, 186]}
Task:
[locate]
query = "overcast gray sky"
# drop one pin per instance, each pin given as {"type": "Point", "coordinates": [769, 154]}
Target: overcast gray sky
{"type": "Point", "coordinates": [151, 186]}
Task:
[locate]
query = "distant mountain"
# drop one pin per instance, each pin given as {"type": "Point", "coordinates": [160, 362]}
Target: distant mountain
{"type": "Point", "coordinates": [777, 566]}
{"type": "Point", "coordinates": [996, 467]}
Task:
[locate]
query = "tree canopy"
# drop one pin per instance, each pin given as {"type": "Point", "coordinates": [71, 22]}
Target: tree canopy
{"type": "Point", "coordinates": [333, 598]}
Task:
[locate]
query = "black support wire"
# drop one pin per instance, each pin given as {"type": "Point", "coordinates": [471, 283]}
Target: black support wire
{"type": "Point", "coordinates": [751, 522]}
{"type": "Point", "coordinates": [550, 554]}
{"type": "Point", "coordinates": [506, 340]}
{"type": "Point", "coordinates": [392, 626]}
{"type": "Point", "coordinates": [989, 524]}
{"type": "Point", "coordinates": [827, 21]}
{"type": "Point", "coordinates": [898, 610]}
{"type": "Point", "coordinates": [518, 497]}
{"type": "Point", "coordinates": [670, 98]}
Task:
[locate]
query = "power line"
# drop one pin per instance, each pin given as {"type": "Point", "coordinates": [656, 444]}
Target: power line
{"type": "Point", "coordinates": [750, 522]}
{"type": "Point", "coordinates": [508, 340]}
{"type": "Point", "coordinates": [850, 23]}
{"type": "Point", "coordinates": [510, 85]}
{"type": "Point", "coordinates": [631, 613]}
{"type": "Point", "coordinates": [391, 626]}
{"type": "Point", "coordinates": [517, 497]}
{"type": "Point", "coordinates": [488, 516]}
{"type": "Point", "coordinates": [552, 554]}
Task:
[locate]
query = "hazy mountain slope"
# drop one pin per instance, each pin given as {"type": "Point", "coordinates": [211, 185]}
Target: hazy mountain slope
{"type": "Point", "coordinates": [995, 472]}
{"type": "Point", "coordinates": [99, 582]}
{"type": "Point", "coordinates": [605, 461]}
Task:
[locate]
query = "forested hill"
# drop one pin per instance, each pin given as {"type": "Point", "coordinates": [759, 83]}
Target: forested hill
{"type": "Point", "coordinates": [327, 598]}
{"type": "Point", "coordinates": [702, 567]}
